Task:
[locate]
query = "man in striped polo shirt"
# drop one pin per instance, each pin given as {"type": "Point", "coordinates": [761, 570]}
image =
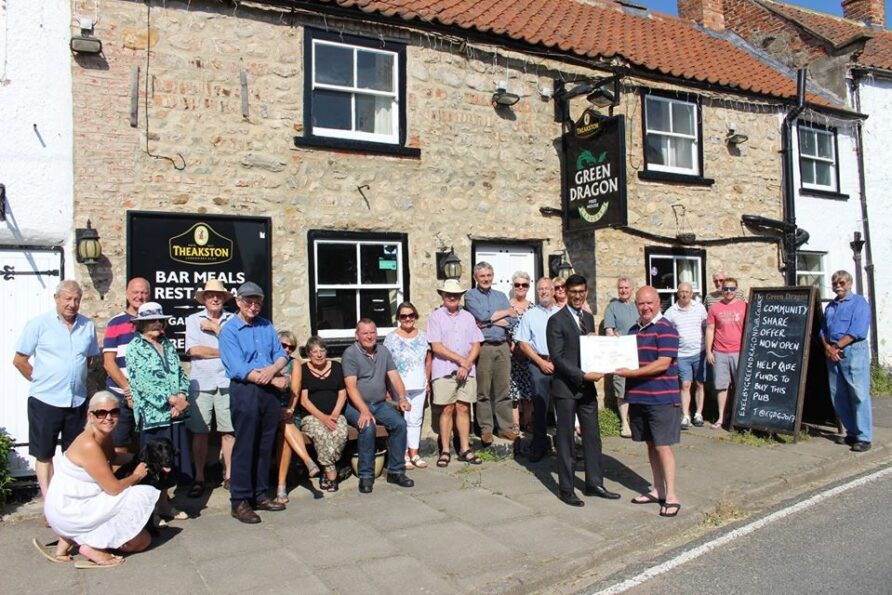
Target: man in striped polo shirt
{"type": "Point", "coordinates": [654, 399]}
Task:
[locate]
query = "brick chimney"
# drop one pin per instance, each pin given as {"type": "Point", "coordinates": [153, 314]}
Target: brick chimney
{"type": "Point", "coordinates": [872, 12]}
{"type": "Point", "coordinates": [709, 13]}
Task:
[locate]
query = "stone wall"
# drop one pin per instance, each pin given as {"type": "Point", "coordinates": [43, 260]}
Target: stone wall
{"type": "Point", "coordinates": [482, 173]}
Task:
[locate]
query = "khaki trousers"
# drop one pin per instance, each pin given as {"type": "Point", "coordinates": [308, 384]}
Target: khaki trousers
{"type": "Point", "coordinates": [493, 382]}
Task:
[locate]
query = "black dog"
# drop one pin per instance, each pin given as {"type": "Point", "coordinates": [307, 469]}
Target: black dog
{"type": "Point", "coordinates": [158, 454]}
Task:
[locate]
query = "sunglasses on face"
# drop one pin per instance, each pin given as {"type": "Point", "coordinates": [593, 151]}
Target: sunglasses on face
{"type": "Point", "coordinates": [103, 413]}
{"type": "Point", "coordinates": [288, 346]}
{"type": "Point", "coordinates": [560, 288]}
{"type": "Point", "coordinates": [410, 316]}
{"type": "Point", "coordinates": [729, 288]}
{"type": "Point", "coordinates": [520, 285]}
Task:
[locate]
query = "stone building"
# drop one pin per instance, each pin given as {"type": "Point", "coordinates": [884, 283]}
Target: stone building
{"type": "Point", "coordinates": [852, 58]}
{"type": "Point", "coordinates": [257, 110]}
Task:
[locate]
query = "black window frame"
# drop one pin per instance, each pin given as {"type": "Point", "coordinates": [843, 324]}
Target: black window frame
{"type": "Point", "coordinates": [336, 345]}
{"type": "Point", "coordinates": [675, 251]}
{"type": "Point", "coordinates": [647, 173]}
{"type": "Point", "coordinates": [308, 139]}
{"type": "Point", "coordinates": [819, 192]}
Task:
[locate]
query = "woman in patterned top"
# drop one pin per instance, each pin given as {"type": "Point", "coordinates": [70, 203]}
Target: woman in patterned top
{"type": "Point", "coordinates": [521, 389]}
{"type": "Point", "coordinates": [411, 354]}
{"type": "Point", "coordinates": [159, 387]}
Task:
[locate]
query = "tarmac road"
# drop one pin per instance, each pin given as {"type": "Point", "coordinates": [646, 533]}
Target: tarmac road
{"type": "Point", "coordinates": [837, 545]}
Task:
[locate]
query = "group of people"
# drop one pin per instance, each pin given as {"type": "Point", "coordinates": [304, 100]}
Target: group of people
{"type": "Point", "coordinates": [506, 361]}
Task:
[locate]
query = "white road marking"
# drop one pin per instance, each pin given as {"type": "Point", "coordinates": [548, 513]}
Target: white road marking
{"type": "Point", "coordinates": [698, 551]}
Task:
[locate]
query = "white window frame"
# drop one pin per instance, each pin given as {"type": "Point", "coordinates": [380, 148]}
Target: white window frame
{"type": "Point", "coordinates": [695, 146]}
{"type": "Point", "coordinates": [399, 286]}
{"type": "Point", "coordinates": [697, 284]}
{"type": "Point", "coordinates": [824, 284]}
{"type": "Point", "coordinates": [391, 138]}
{"type": "Point", "coordinates": [806, 160]}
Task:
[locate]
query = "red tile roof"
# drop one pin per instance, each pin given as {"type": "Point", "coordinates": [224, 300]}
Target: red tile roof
{"type": "Point", "coordinates": [839, 31]}
{"type": "Point", "coordinates": [651, 41]}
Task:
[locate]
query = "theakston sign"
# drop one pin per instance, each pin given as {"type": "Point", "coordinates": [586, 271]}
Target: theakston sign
{"type": "Point", "coordinates": [594, 180]}
{"type": "Point", "coordinates": [178, 253]}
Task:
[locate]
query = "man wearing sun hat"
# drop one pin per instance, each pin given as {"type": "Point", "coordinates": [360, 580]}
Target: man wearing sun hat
{"type": "Point", "coordinates": [455, 342]}
{"type": "Point", "coordinates": [209, 385]}
{"type": "Point", "coordinates": [253, 357]}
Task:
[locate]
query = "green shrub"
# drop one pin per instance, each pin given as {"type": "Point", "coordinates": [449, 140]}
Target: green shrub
{"type": "Point", "coordinates": [880, 381]}
{"type": "Point", "coordinates": [5, 476]}
{"type": "Point", "coordinates": [609, 422]}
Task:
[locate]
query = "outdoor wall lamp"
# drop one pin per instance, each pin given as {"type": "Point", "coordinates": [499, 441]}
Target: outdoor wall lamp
{"type": "Point", "coordinates": [735, 138]}
{"type": "Point", "coordinates": [449, 265]}
{"type": "Point", "coordinates": [565, 269]}
{"type": "Point", "coordinates": [87, 247]}
{"type": "Point", "coordinates": [85, 43]}
{"type": "Point", "coordinates": [600, 92]}
{"type": "Point", "coordinates": [502, 97]}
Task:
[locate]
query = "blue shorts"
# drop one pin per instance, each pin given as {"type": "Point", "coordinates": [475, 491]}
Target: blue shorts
{"type": "Point", "coordinates": [692, 367]}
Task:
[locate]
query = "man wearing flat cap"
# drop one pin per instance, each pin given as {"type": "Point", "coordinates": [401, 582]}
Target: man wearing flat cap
{"type": "Point", "coordinates": [252, 356]}
{"type": "Point", "coordinates": [208, 383]}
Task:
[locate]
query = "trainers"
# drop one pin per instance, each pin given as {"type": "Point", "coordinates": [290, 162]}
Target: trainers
{"type": "Point", "coordinates": [685, 422]}
{"type": "Point", "coordinates": [698, 420]}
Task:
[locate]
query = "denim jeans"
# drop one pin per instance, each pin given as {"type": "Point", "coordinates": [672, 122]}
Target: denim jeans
{"type": "Point", "coordinates": [850, 391]}
{"type": "Point", "coordinates": [388, 416]}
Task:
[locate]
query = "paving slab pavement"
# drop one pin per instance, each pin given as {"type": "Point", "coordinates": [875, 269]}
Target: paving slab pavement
{"type": "Point", "coordinates": [492, 528]}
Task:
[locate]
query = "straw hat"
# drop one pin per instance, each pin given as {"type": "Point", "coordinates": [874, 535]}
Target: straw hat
{"type": "Point", "coordinates": [212, 285]}
{"type": "Point", "coordinates": [451, 286]}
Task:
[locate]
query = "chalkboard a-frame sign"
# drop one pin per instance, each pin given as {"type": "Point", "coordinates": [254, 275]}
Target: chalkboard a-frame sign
{"type": "Point", "coordinates": [771, 374]}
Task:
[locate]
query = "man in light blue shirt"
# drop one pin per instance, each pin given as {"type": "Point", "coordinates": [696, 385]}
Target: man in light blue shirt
{"type": "Point", "coordinates": [844, 334]}
{"type": "Point", "coordinates": [494, 315]}
{"type": "Point", "coordinates": [61, 344]}
{"type": "Point", "coordinates": [530, 337]}
{"type": "Point", "coordinates": [253, 357]}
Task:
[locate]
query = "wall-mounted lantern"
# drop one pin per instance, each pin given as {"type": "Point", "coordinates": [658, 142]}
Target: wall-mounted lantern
{"type": "Point", "coordinates": [448, 265]}
{"type": "Point", "coordinates": [87, 247]}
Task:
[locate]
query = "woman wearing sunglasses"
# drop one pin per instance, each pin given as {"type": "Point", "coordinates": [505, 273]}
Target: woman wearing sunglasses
{"type": "Point", "coordinates": [521, 388]}
{"type": "Point", "coordinates": [159, 386]}
{"type": "Point", "coordinates": [411, 354]}
{"type": "Point", "coordinates": [87, 505]}
{"type": "Point", "coordinates": [291, 439]}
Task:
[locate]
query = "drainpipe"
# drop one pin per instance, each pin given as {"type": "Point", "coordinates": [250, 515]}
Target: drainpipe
{"type": "Point", "coordinates": [789, 238]}
{"type": "Point", "coordinates": [868, 252]}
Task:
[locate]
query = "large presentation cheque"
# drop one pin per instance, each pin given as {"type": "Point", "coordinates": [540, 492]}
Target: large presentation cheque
{"type": "Point", "coordinates": [606, 354]}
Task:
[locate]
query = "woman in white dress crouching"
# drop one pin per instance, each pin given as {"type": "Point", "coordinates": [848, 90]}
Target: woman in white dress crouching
{"type": "Point", "coordinates": [87, 505]}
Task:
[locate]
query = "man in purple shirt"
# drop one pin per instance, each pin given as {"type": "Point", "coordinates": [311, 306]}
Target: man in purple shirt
{"type": "Point", "coordinates": [455, 342]}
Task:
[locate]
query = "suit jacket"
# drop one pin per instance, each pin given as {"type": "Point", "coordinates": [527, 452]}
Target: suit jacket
{"type": "Point", "coordinates": [562, 336]}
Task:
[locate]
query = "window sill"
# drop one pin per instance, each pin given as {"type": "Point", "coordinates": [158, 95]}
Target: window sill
{"type": "Point", "coordinates": [662, 176]}
{"type": "Point", "coordinates": [340, 144]}
{"type": "Point", "coordinates": [823, 194]}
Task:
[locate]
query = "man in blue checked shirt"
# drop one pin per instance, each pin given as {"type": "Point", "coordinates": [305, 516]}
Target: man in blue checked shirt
{"type": "Point", "coordinates": [844, 334]}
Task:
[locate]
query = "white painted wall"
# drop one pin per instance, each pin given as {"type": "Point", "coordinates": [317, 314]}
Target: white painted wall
{"type": "Point", "coordinates": [832, 222]}
{"type": "Point", "coordinates": [36, 140]}
{"type": "Point", "coordinates": [876, 102]}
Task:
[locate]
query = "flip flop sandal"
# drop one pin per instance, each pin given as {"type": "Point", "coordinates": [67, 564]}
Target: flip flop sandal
{"type": "Point", "coordinates": [51, 555]}
{"type": "Point", "coordinates": [443, 459]}
{"type": "Point", "coordinates": [418, 462]}
{"type": "Point", "coordinates": [196, 490]}
{"type": "Point", "coordinates": [313, 470]}
{"type": "Point", "coordinates": [107, 563]}
{"type": "Point", "coordinates": [282, 497]}
{"type": "Point", "coordinates": [647, 499]}
{"type": "Point", "coordinates": [669, 510]}
{"type": "Point", "coordinates": [409, 464]}
{"type": "Point", "coordinates": [469, 457]}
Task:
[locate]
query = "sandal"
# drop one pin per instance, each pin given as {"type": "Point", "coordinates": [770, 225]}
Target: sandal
{"type": "Point", "coordinates": [109, 562]}
{"type": "Point", "coordinates": [418, 462]}
{"type": "Point", "coordinates": [196, 490]}
{"type": "Point", "coordinates": [443, 459]}
{"type": "Point", "coordinates": [648, 499]}
{"type": "Point", "coordinates": [282, 496]}
{"type": "Point", "coordinates": [328, 485]}
{"type": "Point", "coordinates": [409, 464]}
{"type": "Point", "coordinates": [51, 555]}
{"type": "Point", "coordinates": [669, 509]}
{"type": "Point", "coordinates": [469, 457]}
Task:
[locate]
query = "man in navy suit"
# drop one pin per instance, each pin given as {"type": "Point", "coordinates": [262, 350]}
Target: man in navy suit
{"type": "Point", "coordinates": [573, 394]}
